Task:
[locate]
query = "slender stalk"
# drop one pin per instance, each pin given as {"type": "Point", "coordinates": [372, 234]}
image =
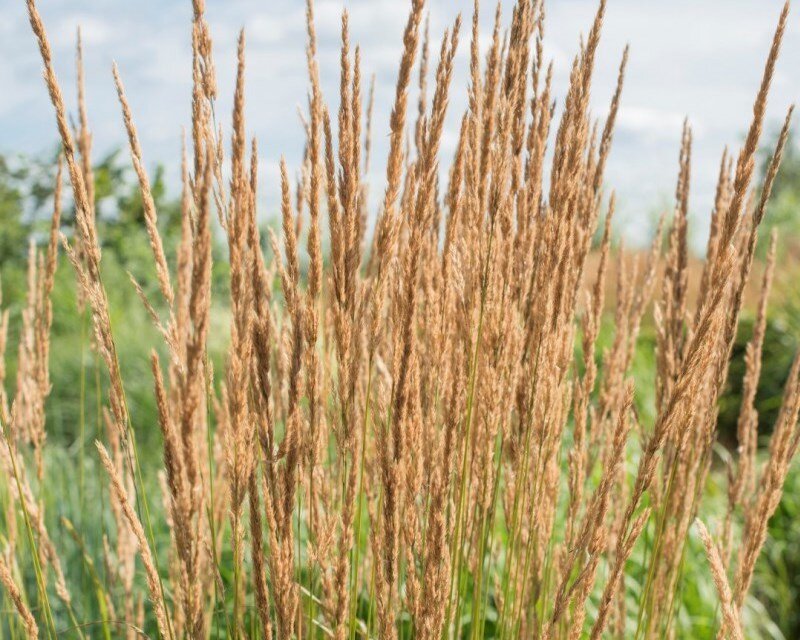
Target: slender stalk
{"type": "Point", "coordinates": [357, 546]}
{"type": "Point", "coordinates": [40, 583]}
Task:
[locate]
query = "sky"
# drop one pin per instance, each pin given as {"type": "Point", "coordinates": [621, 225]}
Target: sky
{"type": "Point", "coordinates": [695, 59]}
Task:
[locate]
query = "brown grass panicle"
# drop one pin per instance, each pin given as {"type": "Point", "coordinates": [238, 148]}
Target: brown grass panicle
{"type": "Point", "coordinates": [414, 433]}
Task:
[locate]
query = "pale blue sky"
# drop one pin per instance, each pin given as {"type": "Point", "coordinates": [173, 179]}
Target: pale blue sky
{"type": "Point", "coordinates": [696, 58]}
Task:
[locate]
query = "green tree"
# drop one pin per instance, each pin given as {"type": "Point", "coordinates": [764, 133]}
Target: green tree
{"type": "Point", "coordinates": [783, 211]}
{"type": "Point", "coordinates": [26, 190]}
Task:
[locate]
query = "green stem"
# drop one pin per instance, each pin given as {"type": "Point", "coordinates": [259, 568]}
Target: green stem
{"type": "Point", "coordinates": [662, 523]}
{"type": "Point", "coordinates": [515, 513]}
{"type": "Point", "coordinates": [44, 600]}
{"type": "Point", "coordinates": [357, 548]}
{"type": "Point", "coordinates": [484, 602]}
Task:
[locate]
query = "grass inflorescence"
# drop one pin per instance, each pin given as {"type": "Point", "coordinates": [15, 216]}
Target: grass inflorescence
{"type": "Point", "coordinates": [416, 432]}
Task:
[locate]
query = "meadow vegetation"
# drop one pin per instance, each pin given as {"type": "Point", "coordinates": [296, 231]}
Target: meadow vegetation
{"type": "Point", "coordinates": [463, 414]}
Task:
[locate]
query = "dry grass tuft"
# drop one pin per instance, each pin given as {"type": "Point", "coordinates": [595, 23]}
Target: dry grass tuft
{"type": "Point", "coordinates": [417, 435]}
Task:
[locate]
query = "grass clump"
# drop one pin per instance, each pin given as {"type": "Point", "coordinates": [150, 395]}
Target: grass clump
{"type": "Point", "coordinates": [417, 436]}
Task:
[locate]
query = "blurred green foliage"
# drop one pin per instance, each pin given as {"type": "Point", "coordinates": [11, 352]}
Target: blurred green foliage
{"type": "Point", "coordinates": [777, 579]}
{"type": "Point", "coordinates": [78, 377]}
{"type": "Point", "coordinates": [783, 210]}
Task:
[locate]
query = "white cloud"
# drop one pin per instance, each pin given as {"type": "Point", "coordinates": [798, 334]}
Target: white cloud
{"type": "Point", "coordinates": [95, 30]}
{"type": "Point", "coordinates": [655, 123]}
